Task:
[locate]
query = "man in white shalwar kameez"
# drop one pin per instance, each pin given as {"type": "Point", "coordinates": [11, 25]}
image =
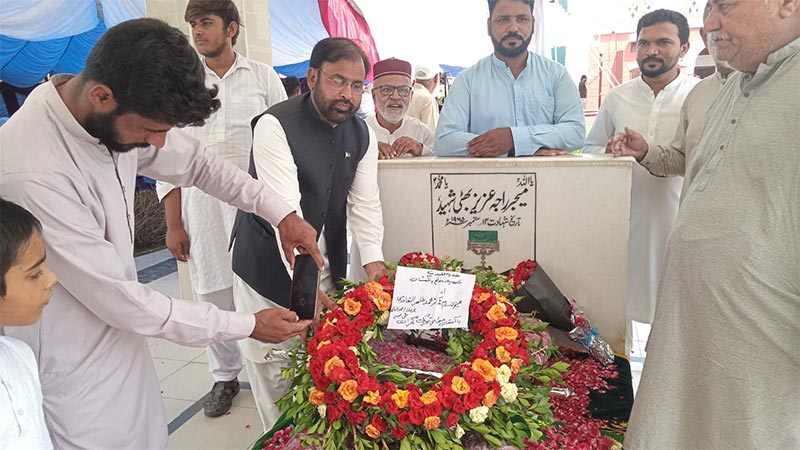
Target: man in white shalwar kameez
{"type": "Point", "coordinates": [198, 225]}
{"type": "Point", "coordinates": [678, 156]}
{"type": "Point", "coordinates": [70, 155]}
{"type": "Point", "coordinates": [651, 104]}
{"type": "Point", "coordinates": [723, 365]}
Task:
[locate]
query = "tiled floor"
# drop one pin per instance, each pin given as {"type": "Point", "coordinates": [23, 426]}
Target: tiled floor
{"type": "Point", "coordinates": [184, 378]}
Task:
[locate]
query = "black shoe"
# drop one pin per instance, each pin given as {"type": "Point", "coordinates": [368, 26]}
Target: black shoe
{"type": "Point", "coordinates": [220, 399]}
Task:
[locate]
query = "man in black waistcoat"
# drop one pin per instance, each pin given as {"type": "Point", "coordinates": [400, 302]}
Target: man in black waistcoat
{"type": "Point", "coordinates": [324, 161]}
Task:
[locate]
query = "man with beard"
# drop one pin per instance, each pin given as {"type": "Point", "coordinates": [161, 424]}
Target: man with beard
{"type": "Point", "coordinates": [678, 157]}
{"type": "Point", "coordinates": [397, 134]}
{"type": "Point", "coordinates": [651, 103]}
{"type": "Point", "coordinates": [722, 365]}
{"type": "Point", "coordinates": [513, 102]}
{"type": "Point", "coordinates": [70, 155]}
{"type": "Point", "coordinates": [324, 162]}
{"type": "Point", "coordinates": [198, 225]}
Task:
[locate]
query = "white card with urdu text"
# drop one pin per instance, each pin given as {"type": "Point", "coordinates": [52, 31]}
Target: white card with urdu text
{"type": "Point", "coordinates": [427, 299]}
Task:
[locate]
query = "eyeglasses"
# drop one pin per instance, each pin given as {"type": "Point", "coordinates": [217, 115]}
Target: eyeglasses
{"type": "Point", "coordinates": [387, 90]}
{"type": "Point", "coordinates": [340, 83]}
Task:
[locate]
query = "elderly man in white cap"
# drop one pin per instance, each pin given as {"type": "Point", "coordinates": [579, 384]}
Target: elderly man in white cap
{"type": "Point", "coordinates": [424, 106]}
{"type": "Point", "coordinates": [397, 134]}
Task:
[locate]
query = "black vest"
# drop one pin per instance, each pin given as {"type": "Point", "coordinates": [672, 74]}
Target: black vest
{"type": "Point", "coordinates": [326, 160]}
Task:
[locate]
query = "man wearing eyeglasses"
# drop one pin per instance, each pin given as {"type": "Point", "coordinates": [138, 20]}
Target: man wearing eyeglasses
{"type": "Point", "coordinates": [323, 161]}
{"type": "Point", "coordinates": [397, 134]}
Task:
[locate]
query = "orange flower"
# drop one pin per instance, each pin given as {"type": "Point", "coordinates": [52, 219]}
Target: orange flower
{"type": "Point", "coordinates": [348, 390]}
{"type": "Point", "coordinates": [459, 385]}
{"type": "Point", "coordinates": [352, 306]}
{"type": "Point", "coordinates": [432, 422]}
{"type": "Point", "coordinates": [505, 333]}
{"type": "Point", "coordinates": [374, 289]}
{"type": "Point", "coordinates": [383, 301]}
{"type": "Point", "coordinates": [501, 298]}
{"type": "Point", "coordinates": [322, 344]}
{"type": "Point", "coordinates": [316, 397]}
{"type": "Point", "coordinates": [485, 368]}
{"type": "Point", "coordinates": [372, 432]}
{"type": "Point", "coordinates": [482, 297]}
{"type": "Point", "coordinates": [489, 399]}
{"type": "Point", "coordinates": [329, 322]}
{"type": "Point", "coordinates": [400, 398]}
{"type": "Point", "coordinates": [428, 398]}
{"type": "Point", "coordinates": [516, 364]}
{"type": "Point", "coordinates": [503, 355]}
{"type": "Point", "coordinates": [372, 398]}
{"type": "Point", "coordinates": [496, 313]}
{"type": "Point", "coordinates": [331, 364]}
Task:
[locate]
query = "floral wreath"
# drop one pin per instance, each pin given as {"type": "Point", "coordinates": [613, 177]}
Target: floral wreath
{"type": "Point", "coordinates": [341, 395]}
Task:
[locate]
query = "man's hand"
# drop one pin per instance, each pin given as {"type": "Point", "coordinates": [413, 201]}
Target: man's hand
{"type": "Point", "coordinates": [275, 325]}
{"type": "Point", "coordinates": [375, 270]}
{"type": "Point", "coordinates": [178, 242]}
{"type": "Point", "coordinates": [405, 145]}
{"type": "Point", "coordinates": [492, 143]}
{"type": "Point", "coordinates": [385, 151]}
{"type": "Point", "coordinates": [549, 152]}
{"type": "Point", "coordinates": [629, 143]}
{"type": "Point", "coordinates": [297, 233]}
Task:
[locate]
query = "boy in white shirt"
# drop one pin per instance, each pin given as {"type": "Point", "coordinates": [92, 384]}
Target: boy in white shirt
{"type": "Point", "coordinates": [25, 289]}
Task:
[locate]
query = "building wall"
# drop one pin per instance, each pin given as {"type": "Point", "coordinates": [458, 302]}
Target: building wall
{"type": "Point", "coordinates": [254, 37]}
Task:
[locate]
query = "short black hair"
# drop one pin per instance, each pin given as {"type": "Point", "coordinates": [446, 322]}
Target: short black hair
{"type": "Point", "coordinates": [493, 3]}
{"type": "Point", "coordinates": [17, 225]}
{"type": "Point", "coordinates": [333, 49]}
{"type": "Point", "coordinates": [225, 9]}
{"type": "Point", "coordinates": [291, 85]}
{"type": "Point", "coordinates": [665, 15]}
{"type": "Point", "coordinates": [152, 71]}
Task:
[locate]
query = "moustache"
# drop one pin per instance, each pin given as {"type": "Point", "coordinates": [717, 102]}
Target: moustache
{"type": "Point", "coordinates": [346, 103]}
{"type": "Point", "coordinates": [653, 59]}
{"type": "Point", "coordinates": [717, 36]}
{"type": "Point", "coordinates": [513, 36]}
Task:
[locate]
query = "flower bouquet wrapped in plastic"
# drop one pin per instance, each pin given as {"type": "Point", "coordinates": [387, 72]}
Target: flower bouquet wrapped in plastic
{"type": "Point", "coordinates": [538, 293]}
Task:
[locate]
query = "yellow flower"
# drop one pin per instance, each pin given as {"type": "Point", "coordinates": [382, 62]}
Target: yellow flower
{"type": "Point", "coordinates": [509, 392]}
{"type": "Point", "coordinates": [352, 306]}
{"type": "Point", "coordinates": [428, 398]}
{"type": "Point", "coordinates": [489, 399]}
{"type": "Point", "coordinates": [329, 323]}
{"type": "Point", "coordinates": [374, 289]}
{"type": "Point", "coordinates": [516, 364]}
{"type": "Point", "coordinates": [383, 302]}
{"type": "Point", "coordinates": [496, 313]}
{"type": "Point", "coordinates": [479, 414]}
{"type": "Point", "coordinates": [432, 422]}
{"type": "Point", "coordinates": [316, 397]}
{"type": "Point", "coordinates": [501, 298]}
{"type": "Point", "coordinates": [485, 368]}
{"type": "Point", "coordinates": [348, 390]}
{"type": "Point", "coordinates": [322, 344]}
{"type": "Point", "coordinates": [372, 398]}
{"type": "Point", "coordinates": [503, 355]}
{"type": "Point", "coordinates": [459, 385]}
{"type": "Point", "coordinates": [331, 364]}
{"type": "Point", "coordinates": [372, 432]}
{"type": "Point", "coordinates": [482, 297]}
{"type": "Point", "coordinates": [505, 333]}
{"type": "Point", "coordinates": [400, 398]}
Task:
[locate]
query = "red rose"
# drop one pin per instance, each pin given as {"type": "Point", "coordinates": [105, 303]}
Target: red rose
{"type": "Point", "coordinates": [452, 420]}
{"type": "Point", "coordinates": [403, 418]}
{"type": "Point", "coordinates": [340, 374]}
{"type": "Point", "coordinates": [378, 422]}
{"type": "Point", "coordinates": [416, 416]}
{"type": "Point", "coordinates": [458, 407]}
{"type": "Point", "coordinates": [473, 378]}
{"type": "Point", "coordinates": [356, 417]}
{"type": "Point", "coordinates": [433, 410]}
{"type": "Point", "coordinates": [399, 433]}
{"type": "Point", "coordinates": [472, 400]}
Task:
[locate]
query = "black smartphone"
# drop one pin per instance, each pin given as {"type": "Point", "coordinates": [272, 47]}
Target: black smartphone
{"type": "Point", "coordinates": [305, 285]}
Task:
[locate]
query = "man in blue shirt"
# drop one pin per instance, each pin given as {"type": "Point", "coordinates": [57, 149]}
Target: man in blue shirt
{"type": "Point", "coordinates": [513, 102]}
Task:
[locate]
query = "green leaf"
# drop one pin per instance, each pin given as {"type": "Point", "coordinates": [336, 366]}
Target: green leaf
{"type": "Point", "coordinates": [405, 445]}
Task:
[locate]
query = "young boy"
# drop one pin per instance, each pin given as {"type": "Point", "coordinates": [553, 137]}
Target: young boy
{"type": "Point", "coordinates": [25, 288]}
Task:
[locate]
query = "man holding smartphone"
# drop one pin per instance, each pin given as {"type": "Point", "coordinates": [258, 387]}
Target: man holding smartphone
{"type": "Point", "coordinates": [324, 161]}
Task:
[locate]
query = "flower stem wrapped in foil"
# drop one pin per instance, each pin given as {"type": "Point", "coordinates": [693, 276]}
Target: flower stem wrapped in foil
{"type": "Point", "coordinates": [587, 337]}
